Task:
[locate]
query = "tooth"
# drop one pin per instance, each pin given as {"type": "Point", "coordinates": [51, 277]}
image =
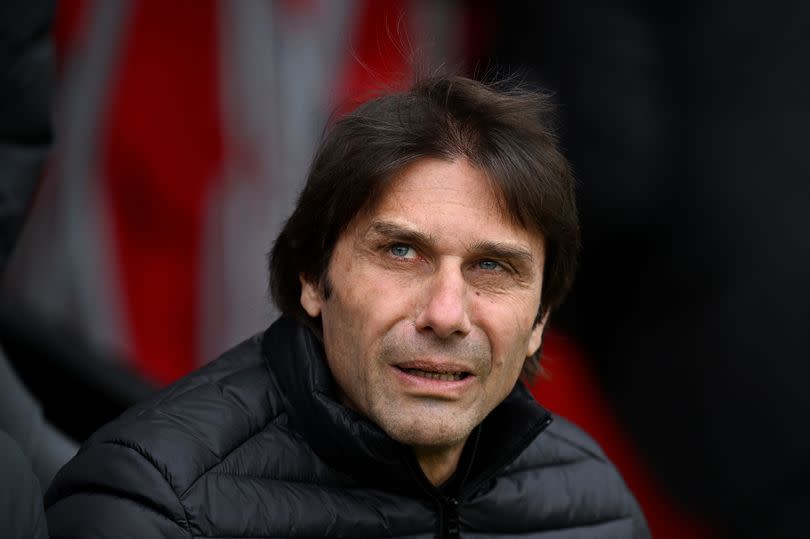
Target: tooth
{"type": "Point", "coordinates": [446, 376]}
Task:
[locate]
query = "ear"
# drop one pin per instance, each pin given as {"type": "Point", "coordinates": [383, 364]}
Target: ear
{"type": "Point", "coordinates": [536, 337]}
{"type": "Point", "coordinates": [311, 299]}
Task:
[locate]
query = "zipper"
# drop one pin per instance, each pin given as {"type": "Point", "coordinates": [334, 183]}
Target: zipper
{"type": "Point", "coordinates": [450, 524]}
{"type": "Point", "coordinates": [447, 506]}
{"type": "Point", "coordinates": [449, 527]}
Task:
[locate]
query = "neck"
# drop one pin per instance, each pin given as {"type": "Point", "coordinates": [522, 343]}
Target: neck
{"type": "Point", "coordinates": [438, 464]}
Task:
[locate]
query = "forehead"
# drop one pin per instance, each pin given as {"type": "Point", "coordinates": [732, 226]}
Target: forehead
{"type": "Point", "coordinates": [448, 197]}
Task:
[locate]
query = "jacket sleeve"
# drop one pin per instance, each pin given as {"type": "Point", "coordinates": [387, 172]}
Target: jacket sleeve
{"type": "Point", "coordinates": [641, 529]}
{"type": "Point", "coordinates": [113, 489]}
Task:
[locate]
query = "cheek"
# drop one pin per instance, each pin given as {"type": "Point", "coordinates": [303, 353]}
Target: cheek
{"type": "Point", "coordinates": [348, 319]}
{"type": "Point", "coordinates": [343, 346]}
{"type": "Point", "coordinates": [509, 327]}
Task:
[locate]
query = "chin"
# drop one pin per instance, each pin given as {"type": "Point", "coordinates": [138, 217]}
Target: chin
{"type": "Point", "coordinates": [429, 432]}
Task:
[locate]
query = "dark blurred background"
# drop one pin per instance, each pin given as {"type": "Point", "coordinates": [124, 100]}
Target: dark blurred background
{"type": "Point", "coordinates": [181, 132]}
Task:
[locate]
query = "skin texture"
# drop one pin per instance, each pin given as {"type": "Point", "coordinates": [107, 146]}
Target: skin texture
{"type": "Point", "coordinates": [438, 279]}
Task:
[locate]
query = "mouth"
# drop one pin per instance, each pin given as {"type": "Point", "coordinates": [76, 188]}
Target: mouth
{"type": "Point", "coordinates": [453, 376]}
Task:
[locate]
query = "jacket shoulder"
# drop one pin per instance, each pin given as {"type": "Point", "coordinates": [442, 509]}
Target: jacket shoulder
{"type": "Point", "coordinates": [146, 459]}
{"type": "Point", "coordinates": [570, 441]}
{"type": "Point", "coordinates": [573, 483]}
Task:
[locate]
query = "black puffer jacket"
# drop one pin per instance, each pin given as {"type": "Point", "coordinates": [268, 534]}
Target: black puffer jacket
{"type": "Point", "coordinates": [255, 445]}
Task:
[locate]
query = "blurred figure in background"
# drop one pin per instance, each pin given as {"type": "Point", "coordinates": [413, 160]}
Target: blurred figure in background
{"type": "Point", "coordinates": [21, 513]}
{"type": "Point", "coordinates": [26, 87]}
{"type": "Point", "coordinates": [27, 441]}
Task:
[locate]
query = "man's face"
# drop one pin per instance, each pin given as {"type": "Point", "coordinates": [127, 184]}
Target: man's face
{"type": "Point", "coordinates": [434, 296]}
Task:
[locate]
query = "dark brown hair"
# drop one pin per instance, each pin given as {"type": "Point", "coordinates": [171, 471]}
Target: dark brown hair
{"type": "Point", "coordinates": [506, 132]}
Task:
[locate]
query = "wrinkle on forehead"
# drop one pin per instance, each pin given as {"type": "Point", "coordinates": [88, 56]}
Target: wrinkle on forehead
{"type": "Point", "coordinates": [393, 183]}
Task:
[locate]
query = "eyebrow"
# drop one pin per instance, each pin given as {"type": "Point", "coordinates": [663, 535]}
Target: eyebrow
{"type": "Point", "coordinates": [499, 250]}
{"type": "Point", "coordinates": [503, 251]}
{"type": "Point", "coordinates": [399, 232]}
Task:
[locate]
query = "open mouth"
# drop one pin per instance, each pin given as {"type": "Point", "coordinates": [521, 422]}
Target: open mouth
{"type": "Point", "coordinates": [444, 376]}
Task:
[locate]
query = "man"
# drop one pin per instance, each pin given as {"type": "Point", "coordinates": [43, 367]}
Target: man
{"type": "Point", "coordinates": [436, 233]}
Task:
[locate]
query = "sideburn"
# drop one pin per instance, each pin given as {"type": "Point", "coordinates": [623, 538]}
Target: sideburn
{"type": "Point", "coordinates": [326, 287]}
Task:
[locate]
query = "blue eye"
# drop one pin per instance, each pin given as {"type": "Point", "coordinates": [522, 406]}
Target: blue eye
{"type": "Point", "coordinates": [401, 251]}
{"type": "Point", "coordinates": [488, 265]}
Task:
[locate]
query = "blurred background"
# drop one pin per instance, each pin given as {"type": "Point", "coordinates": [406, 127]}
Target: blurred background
{"type": "Point", "coordinates": [150, 151]}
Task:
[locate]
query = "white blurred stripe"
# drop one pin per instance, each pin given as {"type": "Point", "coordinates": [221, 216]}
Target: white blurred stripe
{"type": "Point", "coordinates": [279, 69]}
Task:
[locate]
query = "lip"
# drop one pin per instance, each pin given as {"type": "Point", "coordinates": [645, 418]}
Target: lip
{"type": "Point", "coordinates": [432, 365]}
{"type": "Point", "coordinates": [431, 387]}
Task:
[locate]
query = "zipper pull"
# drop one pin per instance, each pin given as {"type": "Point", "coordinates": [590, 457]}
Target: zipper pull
{"type": "Point", "coordinates": [452, 528]}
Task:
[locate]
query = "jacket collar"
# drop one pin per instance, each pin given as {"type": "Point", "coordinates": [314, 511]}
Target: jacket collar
{"type": "Point", "coordinates": [352, 444]}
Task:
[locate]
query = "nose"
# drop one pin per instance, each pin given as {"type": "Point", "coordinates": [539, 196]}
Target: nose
{"type": "Point", "coordinates": [445, 309]}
